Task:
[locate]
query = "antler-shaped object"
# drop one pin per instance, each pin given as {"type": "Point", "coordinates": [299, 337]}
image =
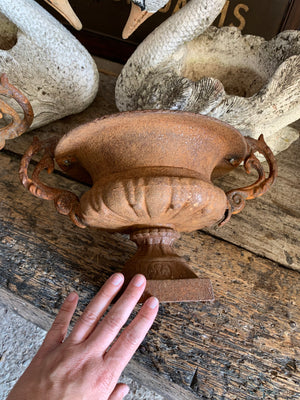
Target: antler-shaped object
{"type": "Point", "coordinates": [17, 126]}
{"type": "Point", "coordinates": [237, 197]}
{"type": "Point", "coordinates": [66, 202]}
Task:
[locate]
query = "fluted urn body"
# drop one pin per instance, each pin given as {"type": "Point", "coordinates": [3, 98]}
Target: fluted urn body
{"type": "Point", "coordinates": [151, 169]}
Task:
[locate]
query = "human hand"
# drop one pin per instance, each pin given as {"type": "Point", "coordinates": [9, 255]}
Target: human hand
{"type": "Point", "coordinates": [87, 365]}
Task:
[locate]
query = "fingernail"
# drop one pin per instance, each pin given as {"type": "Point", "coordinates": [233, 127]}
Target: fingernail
{"type": "Point", "coordinates": [126, 391]}
{"type": "Point", "coordinates": [138, 280]}
{"type": "Point", "coordinates": [72, 296]}
{"type": "Point", "coordinates": [116, 279]}
{"type": "Point", "coordinates": [152, 302]}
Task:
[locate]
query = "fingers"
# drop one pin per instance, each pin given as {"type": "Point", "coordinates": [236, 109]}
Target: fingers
{"type": "Point", "coordinates": [106, 332]}
{"type": "Point", "coordinates": [120, 391]}
{"type": "Point", "coordinates": [97, 307]}
{"type": "Point", "coordinates": [123, 349]}
{"type": "Point", "coordinates": [59, 328]}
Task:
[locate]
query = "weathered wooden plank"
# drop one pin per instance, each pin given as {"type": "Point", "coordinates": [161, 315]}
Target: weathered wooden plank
{"type": "Point", "coordinates": [268, 226]}
{"type": "Point", "coordinates": [244, 346]}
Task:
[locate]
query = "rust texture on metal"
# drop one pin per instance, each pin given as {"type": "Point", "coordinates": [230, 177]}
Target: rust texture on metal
{"type": "Point", "coordinates": [237, 197]}
{"type": "Point", "coordinates": [66, 202]}
{"type": "Point", "coordinates": [168, 276]}
{"type": "Point", "coordinates": [151, 173]}
{"type": "Point", "coordinates": [16, 126]}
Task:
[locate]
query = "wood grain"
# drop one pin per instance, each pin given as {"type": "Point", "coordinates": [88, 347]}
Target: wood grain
{"type": "Point", "coordinates": [244, 346]}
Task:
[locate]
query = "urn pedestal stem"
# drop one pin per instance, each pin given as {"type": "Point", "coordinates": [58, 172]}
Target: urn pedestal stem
{"type": "Point", "coordinates": [168, 276]}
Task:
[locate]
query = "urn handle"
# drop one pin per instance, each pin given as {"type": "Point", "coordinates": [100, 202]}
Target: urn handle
{"type": "Point", "coordinates": [17, 125]}
{"type": "Point", "coordinates": [236, 198]}
{"type": "Point", "coordinates": [66, 202]}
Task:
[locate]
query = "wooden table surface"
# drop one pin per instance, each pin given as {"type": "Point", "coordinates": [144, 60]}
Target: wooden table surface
{"type": "Point", "coordinates": [245, 345]}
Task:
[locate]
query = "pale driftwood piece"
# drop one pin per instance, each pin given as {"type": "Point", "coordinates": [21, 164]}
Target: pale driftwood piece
{"type": "Point", "coordinates": [245, 345]}
{"type": "Point", "coordinates": [185, 64]}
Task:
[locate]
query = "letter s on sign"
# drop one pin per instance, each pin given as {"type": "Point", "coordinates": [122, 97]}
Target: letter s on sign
{"type": "Point", "coordinates": [239, 17]}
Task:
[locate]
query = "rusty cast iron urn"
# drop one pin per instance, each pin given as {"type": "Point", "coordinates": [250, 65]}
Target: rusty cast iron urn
{"type": "Point", "coordinates": [151, 178]}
